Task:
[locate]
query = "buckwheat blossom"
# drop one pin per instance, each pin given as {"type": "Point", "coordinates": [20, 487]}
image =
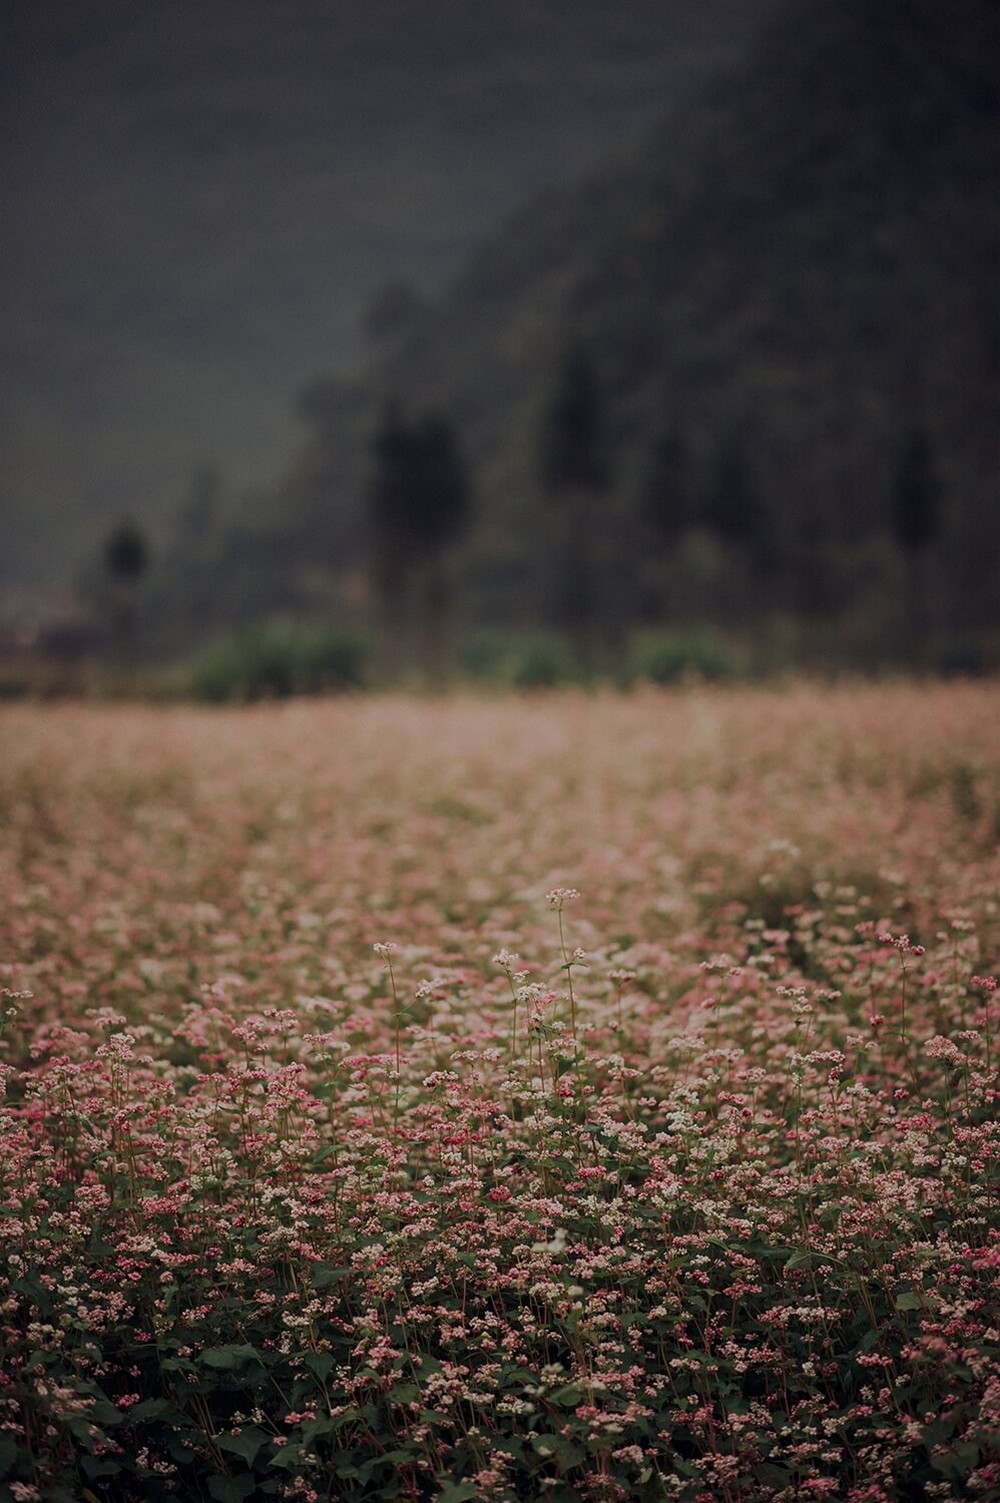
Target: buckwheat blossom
{"type": "Point", "coordinates": [939, 1047]}
{"type": "Point", "coordinates": [560, 896]}
{"type": "Point", "coordinates": [731, 1235]}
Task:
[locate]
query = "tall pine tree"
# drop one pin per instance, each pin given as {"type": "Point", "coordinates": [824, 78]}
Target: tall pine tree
{"type": "Point", "coordinates": [916, 509]}
{"type": "Point", "coordinates": [574, 472]}
{"type": "Point", "coordinates": [419, 499]}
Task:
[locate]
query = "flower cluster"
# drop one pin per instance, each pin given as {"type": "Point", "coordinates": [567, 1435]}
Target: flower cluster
{"type": "Point", "coordinates": [699, 1200]}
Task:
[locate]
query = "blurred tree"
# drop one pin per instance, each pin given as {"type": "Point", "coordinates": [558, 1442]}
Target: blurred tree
{"type": "Point", "coordinates": [441, 491]}
{"type": "Point", "coordinates": [733, 515]}
{"type": "Point", "coordinates": [126, 554]}
{"type": "Point", "coordinates": [733, 506]}
{"type": "Point", "coordinates": [389, 498]}
{"type": "Point", "coordinates": [812, 596]}
{"type": "Point", "coordinates": [916, 496]}
{"type": "Point", "coordinates": [574, 471]}
{"type": "Point", "coordinates": [665, 511]}
{"type": "Point", "coordinates": [442, 499]}
{"type": "Point", "coordinates": [126, 559]}
{"type": "Point", "coordinates": [419, 497]}
{"type": "Point", "coordinates": [916, 507]}
{"type": "Point", "coordinates": [665, 497]}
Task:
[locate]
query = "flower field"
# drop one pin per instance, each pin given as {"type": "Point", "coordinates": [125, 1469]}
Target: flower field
{"type": "Point", "coordinates": [580, 1097]}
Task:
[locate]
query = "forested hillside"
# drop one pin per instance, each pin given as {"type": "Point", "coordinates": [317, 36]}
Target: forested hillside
{"type": "Point", "coordinates": [787, 294]}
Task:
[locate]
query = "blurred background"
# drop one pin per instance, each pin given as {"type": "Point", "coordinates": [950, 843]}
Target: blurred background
{"type": "Point", "coordinates": [350, 341]}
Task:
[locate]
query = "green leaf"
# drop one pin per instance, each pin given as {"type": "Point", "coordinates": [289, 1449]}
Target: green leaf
{"type": "Point", "coordinates": [957, 1463]}
{"type": "Point", "coordinates": [545, 1444]}
{"type": "Point", "coordinates": [152, 1409]}
{"type": "Point", "coordinates": [228, 1358]}
{"type": "Point", "coordinates": [35, 1290]}
{"type": "Point", "coordinates": [770, 1473]}
{"type": "Point", "coordinates": [82, 1430]}
{"type": "Point", "coordinates": [561, 1165]}
{"type": "Point", "coordinates": [511, 1447]}
{"type": "Point", "coordinates": [765, 1253]}
{"type": "Point", "coordinates": [909, 1300]}
{"type": "Point", "coordinates": [103, 1412]}
{"type": "Point", "coordinates": [351, 1464]}
{"type": "Point", "coordinates": [246, 1444]}
{"type": "Point", "coordinates": [99, 1466]}
{"type": "Point", "coordinates": [312, 1430]}
{"type": "Point", "coordinates": [180, 1450]}
{"type": "Point", "coordinates": [323, 1275]}
{"type": "Point", "coordinates": [567, 1397]}
{"type": "Point", "coordinates": [458, 1492]}
{"type": "Point", "coordinates": [8, 1452]}
{"type": "Point", "coordinates": [319, 1363]}
{"type": "Point", "coordinates": [232, 1489]}
{"type": "Point", "coordinates": [288, 1458]}
{"type": "Point", "coordinates": [177, 1365]}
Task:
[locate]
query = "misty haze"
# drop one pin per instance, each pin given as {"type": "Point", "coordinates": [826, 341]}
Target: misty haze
{"type": "Point", "coordinates": [248, 249]}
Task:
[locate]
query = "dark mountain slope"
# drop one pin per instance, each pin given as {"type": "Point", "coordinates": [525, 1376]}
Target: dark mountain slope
{"type": "Point", "coordinates": [198, 208]}
{"type": "Point", "coordinates": [801, 267]}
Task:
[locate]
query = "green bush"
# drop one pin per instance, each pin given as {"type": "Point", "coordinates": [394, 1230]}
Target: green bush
{"type": "Point", "coordinates": [480, 653]}
{"type": "Point", "coordinates": [667, 657]}
{"type": "Point", "coordinates": [542, 662]}
{"type": "Point", "coordinates": [515, 659]}
{"type": "Point", "coordinates": [965, 655]}
{"type": "Point", "coordinates": [278, 659]}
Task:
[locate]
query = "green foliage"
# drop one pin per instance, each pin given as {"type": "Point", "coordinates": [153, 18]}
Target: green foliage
{"type": "Point", "coordinates": [571, 446]}
{"type": "Point", "coordinates": [963, 655]}
{"type": "Point", "coordinates": [543, 662]}
{"type": "Point", "coordinates": [573, 468]}
{"type": "Point", "coordinates": [285, 1223]}
{"type": "Point", "coordinates": [418, 502]}
{"type": "Point", "coordinates": [516, 659]}
{"type": "Point", "coordinates": [734, 507]}
{"type": "Point", "coordinates": [667, 657]}
{"type": "Point", "coordinates": [665, 499]}
{"type": "Point", "coordinates": [278, 659]}
{"type": "Point", "coordinates": [754, 268]}
{"type": "Point", "coordinates": [419, 490]}
{"type": "Point", "coordinates": [804, 259]}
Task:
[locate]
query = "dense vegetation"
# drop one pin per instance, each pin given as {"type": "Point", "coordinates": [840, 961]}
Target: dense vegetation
{"type": "Point", "coordinates": [350, 1153]}
{"type": "Point", "coordinates": [786, 290]}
